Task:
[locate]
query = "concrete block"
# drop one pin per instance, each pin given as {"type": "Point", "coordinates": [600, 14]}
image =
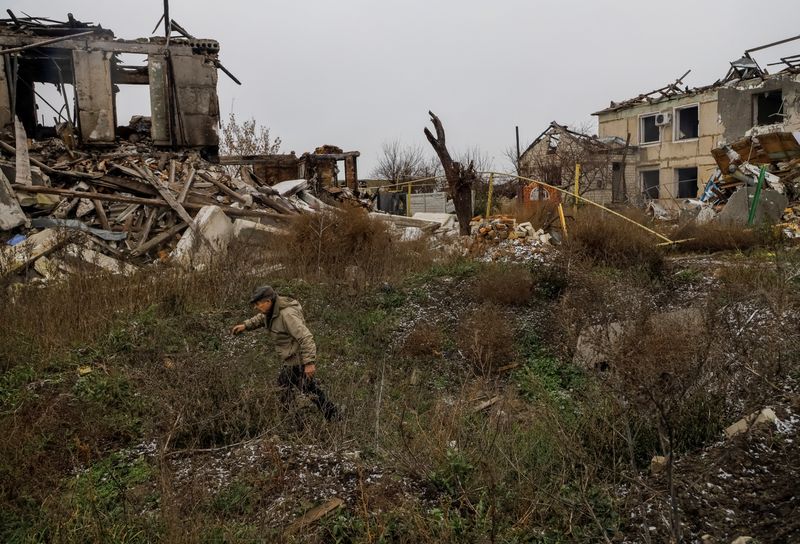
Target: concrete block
{"type": "Point", "coordinates": [755, 419]}
{"type": "Point", "coordinates": [250, 232]}
{"type": "Point", "coordinates": [89, 256]}
{"type": "Point", "coordinates": [290, 187]}
{"type": "Point", "coordinates": [447, 221]}
{"type": "Point", "coordinates": [11, 215]}
{"type": "Point", "coordinates": [198, 250]}
{"type": "Point", "coordinates": [411, 233]}
{"type": "Point", "coordinates": [769, 210]}
{"type": "Point", "coordinates": [16, 257]}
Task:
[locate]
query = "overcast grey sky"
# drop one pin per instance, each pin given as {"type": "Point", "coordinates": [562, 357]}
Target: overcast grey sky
{"type": "Point", "coordinates": [356, 73]}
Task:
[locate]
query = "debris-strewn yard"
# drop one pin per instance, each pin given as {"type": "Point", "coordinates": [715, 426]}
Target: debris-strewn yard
{"type": "Point", "coordinates": [473, 410]}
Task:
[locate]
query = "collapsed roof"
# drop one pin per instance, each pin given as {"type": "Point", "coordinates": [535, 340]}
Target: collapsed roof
{"type": "Point", "coordinates": [180, 70]}
{"type": "Point", "coordinates": [743, 69]}
{"type": "Point", "coordinates": [555, 130]}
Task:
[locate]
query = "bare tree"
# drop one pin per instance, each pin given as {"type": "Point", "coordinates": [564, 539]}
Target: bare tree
{"type": "Point", "coordinates": [245, 138]}
{"type": "Point", "coordinates": [480, 160]}
{"type": "Point", "coordinates": [399, 163]}
{"type": "Point", "coordinates": [459, 178]}
{"type": "Point", "coordinates": [511, 164]}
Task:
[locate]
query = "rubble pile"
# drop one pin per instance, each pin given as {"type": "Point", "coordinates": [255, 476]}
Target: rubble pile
{"type": "Point", "coordinates": [500, 238]}
{"type": "Point", "coordinates": [498, 228]}
{"type": "Point", "coordinates": [125, 206]}
{"type": "Point", "coordinates": [734, 193]}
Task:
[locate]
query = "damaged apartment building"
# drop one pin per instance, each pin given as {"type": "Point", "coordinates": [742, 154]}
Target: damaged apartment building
{"type": "Point", "coordinates": [657, 145]}
{"type": "Point", "coordinates": [83, 61]}
{"type": "Point", "coordinates": [674, 128]}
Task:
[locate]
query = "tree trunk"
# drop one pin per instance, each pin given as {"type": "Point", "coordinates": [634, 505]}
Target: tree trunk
{"type": "Point", "coordinates": [459, 179]}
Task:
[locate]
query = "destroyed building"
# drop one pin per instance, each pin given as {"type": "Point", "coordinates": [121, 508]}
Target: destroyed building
{"type": "Point", "coordinates": [320, 167]}
{"type": "Point", "coordinates": [675, 127]}
{"type": "Point", "coordinates": [83, 60]}
{"type": "Point", "coordinates": [604, 164]}
{"type": "Point", "coordinates": [83, 193]}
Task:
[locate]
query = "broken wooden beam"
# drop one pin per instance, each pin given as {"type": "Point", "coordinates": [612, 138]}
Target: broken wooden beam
{"type": "Point", "coordinates": [238, 212]}
{"type": "Point", "coordinates": [158, 240]}
{"type": "Point", "coordinates": [167, 196]}
{"type": "Point", "coordinates": [222, 187]}
{"type": "Point", "coordinates": [187, 185]}
{"type": "Point", "coordinates": [316, 513]}
{"type": "Point", "coordinates": [485, 404]}
{"type": "Point", "coordinates": [148, 225]}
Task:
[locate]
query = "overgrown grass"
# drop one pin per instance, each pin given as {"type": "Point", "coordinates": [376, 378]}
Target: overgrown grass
{"type": "Point", "coordinates": [610, 241]}
{"type": "Point", "coordinates": [348, 245]}
{"type": "Point", "coordinates": [104, 422]}
{"type": "Point", "coordinates": [714, 237]}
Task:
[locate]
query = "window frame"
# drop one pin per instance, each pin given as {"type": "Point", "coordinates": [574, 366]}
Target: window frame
{"type": "Point", "coordinates": [754, 108]}
{"type": "Point", "coordinates": [642, 188]}
{"type": "Point", "coordinates": [642, 116]}
{"type": "Point", "coordinates": [676, 176]}
{"type": "Point", "coordinates": [675, 124]}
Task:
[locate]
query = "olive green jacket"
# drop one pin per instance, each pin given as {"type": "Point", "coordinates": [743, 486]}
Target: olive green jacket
{"type": "Point", "coordinates": [287, 329]}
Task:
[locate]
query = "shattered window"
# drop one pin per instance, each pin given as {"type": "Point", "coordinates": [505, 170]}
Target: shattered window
{"type": "Point", "coordinates": [648, 130]}
{"type": "Point", "coordinates": [650, 184]}
{"type": "Point", "coordinates": [687, 182]}
{"type": "Point", "coordinates": [687, 123]}
{"type": "Point", "coordinates": [768, 108]}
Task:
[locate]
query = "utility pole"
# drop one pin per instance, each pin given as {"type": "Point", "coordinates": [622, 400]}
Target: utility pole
{"type": "Point", "coordinates": [517, 129]}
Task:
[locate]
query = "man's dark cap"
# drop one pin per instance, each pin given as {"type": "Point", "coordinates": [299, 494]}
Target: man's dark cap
{"type": "Point", "coordinates": [262, 292]}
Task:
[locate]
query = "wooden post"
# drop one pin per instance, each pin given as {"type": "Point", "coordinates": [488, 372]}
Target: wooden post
{"type": "Point", "coordinates": [563, 220]}
{"type": "Point", "coordinates": [489, 196]}
{"type": "Point", "coordinates": [577, 192]}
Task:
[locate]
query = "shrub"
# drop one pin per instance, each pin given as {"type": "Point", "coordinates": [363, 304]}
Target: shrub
{"type": "Point", "coordinates": [486, 338]}
{"type": "Point", "coordinates": [423, 340]}
{"type": "Point", "coordinates": [713, 237]}
{"type": "Point", "coordinates": [328, 244]}
{"type": "Point", "coordinates": [508, 285]}
{"type": "Point", "coordinates": [542, 214]}
{"type": "Point", "coordinates": [611, 241]}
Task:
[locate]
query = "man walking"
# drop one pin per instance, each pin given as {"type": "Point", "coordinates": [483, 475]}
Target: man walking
{"type": "Point", "coordinates": [283, 319]}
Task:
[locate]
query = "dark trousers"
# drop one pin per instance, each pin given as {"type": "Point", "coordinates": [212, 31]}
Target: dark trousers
{"type": "Point", "coordinates": [294, 377]}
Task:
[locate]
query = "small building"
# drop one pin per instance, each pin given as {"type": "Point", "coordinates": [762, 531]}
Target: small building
{"type": "Point", "coordinates": [84, 61]}
{"type": "Point", "coordinates": [674, 128]}
{"type": "Point", "coordinates": [605, 165]}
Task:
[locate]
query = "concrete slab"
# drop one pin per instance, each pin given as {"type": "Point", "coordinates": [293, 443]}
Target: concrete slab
{"type": "Point", "coordinates": [11, 214]}
{"type": "Point", "coordinates": [290, 187]}
{"type": "Point", "coordinates": [16, 257]}
{"type": "Point", "coordinates": [214, 233]}
{"type": "Point", "coordinates": [95, 258]}
{"type": "Point", "coordinates": [447, 221]}
{"type": "Point", "coordinates": [769, 210]}
{"type": "Point", "coordinates": [253, 233]}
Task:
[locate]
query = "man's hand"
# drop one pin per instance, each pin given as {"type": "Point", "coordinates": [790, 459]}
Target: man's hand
{"type": "Point", "coordinates": [310, 369]}
{"type": "Point", "coordinates": [238, 329]}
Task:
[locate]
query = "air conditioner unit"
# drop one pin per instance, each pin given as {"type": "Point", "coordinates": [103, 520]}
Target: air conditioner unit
{"type": "Point", "coordinates": [663, 119]}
